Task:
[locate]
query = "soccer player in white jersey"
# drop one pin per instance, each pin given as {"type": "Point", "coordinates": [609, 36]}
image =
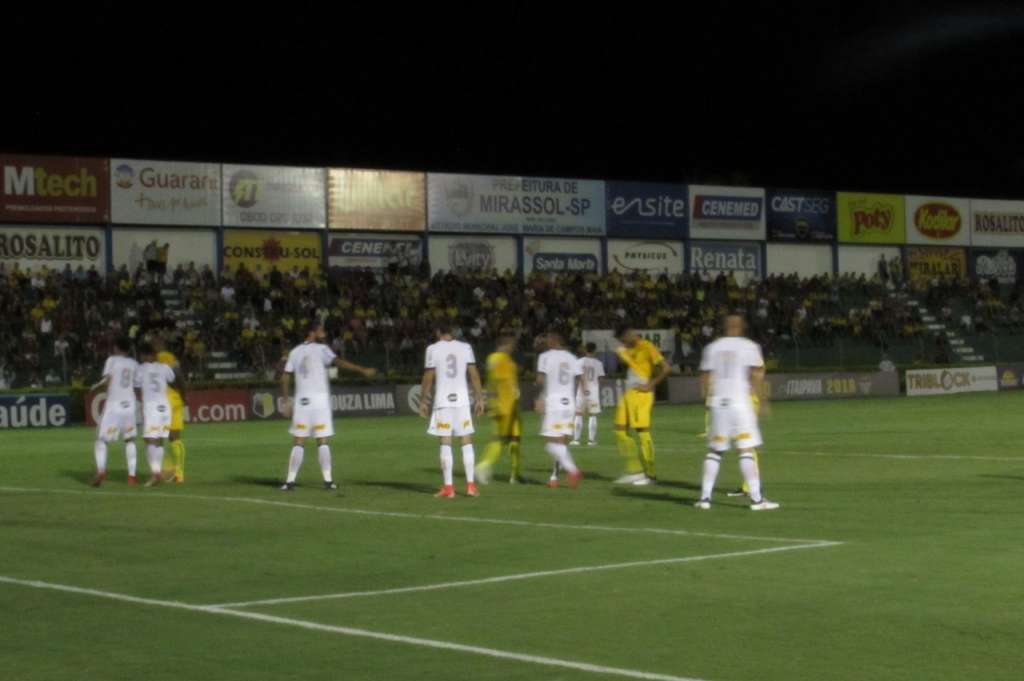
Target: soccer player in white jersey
{"type": "Point", "coordinates": [588, 397]}
{"type": "Point", "coordinates": [152, 379]}
{"type": "Point", "coordinates": [444, 395]}
{"type": "Point", "coordinates": [118, 418]}
{"type": "Point", "coordinates": [731, 370]}
{"type": "Point", "coordinates": [311, 408]}
{"type": "Point", "coordinates": [558, 372]}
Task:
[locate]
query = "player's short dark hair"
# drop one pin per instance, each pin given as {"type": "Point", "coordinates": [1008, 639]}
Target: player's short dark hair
{"type": "Point", "coordinates": [622, 331]}
{"type": "Point", "coordinates": [312, 325]}
{"type": "Point", "coordinates": [590, 347]}
{"type": "Point", "coordinates": [506, 338]}
{"type": "Point", "coordinates": [443, 328]}
{"type": "Point", "coordinates": [557, 335]}
{"type": "Point", "coordinates": [145, 348]}
{"type": "Point", "coordinates": [123, 343]}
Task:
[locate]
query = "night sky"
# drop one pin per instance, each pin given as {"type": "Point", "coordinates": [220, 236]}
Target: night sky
{"type": "Point", "coordinates": [857, 96]}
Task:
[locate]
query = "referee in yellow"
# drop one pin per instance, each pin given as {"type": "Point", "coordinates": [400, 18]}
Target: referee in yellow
{"type": "Point", "coordinates": [503, 391]}
{"type": "Point", "coordinates": [646, 368]}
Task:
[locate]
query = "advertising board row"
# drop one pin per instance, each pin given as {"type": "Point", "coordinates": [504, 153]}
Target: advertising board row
{"type": "Point", "coordinates": [802, 386]}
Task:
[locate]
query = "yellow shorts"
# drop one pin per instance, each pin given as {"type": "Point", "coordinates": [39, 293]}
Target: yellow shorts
{"type": "Point", "coordinates": [177, 411]}
{"type": "Point", "coordinates": [634, 409]}
{"type": "Point", "coordinates": [508, 424]}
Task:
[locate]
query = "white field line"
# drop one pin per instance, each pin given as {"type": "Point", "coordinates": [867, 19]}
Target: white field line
{"type": "Point", "coordinates": [699, 450]}
{"type": "Point", "coordinates": [140, 494]}
{"type": "Point", "coordinates": [522, 576]}
{"type": "Point", "coordinates": [360, 633]}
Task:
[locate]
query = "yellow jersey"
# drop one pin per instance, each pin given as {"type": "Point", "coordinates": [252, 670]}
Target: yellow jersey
{"type": "Point", "coordinates": [641, 360]}
{"type": "Point", "coordinates": [168, 358]}
{"type": "Point", "coordinates": [503, 381]}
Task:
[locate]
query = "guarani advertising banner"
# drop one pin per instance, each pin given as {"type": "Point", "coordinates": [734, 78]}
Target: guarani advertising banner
{"type": "Point", "coordinates": [472, 254]}
{"type": "Point", "coordinates": [53, 247]}
{"type": "Point", "coordinates": [726, 212]}
{"type": "Point", "coordinates": [59, 189]}
{"type": "Point", "coordinates": [274, 196]}
{"type": "Point", "coordinates": [799, 215]}
{"type": "Point", "coordinates": [376, 200]}
{"type": "Point", "coordinates": [653, 257]}
{"type": "Point", "coordinates": [573, 256]}
{"type": "Point", "coordinates": [938, 221]}
{"type": "Point", "coordinates": [951, 381]}
{"type": "Point", "coordinates": [261, 250]}
{"type": "Point", "coordinates": [646, 210]}
{"type": "Point", "coordinates": [373, 251]}
{"type": "Point", "coordinates": [164, 193]}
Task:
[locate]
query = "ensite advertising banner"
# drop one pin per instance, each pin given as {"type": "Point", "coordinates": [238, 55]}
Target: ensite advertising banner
{"type": "Point", "coordinates": [651, 256]}
{"type": "Point", "coordinates": [925, 263]}
{"type": "Point", "coordinates": [376, 200]}
{"type": "Point", "coordinates": [261, 250]}
{"type": "Point", "coordinates": [53, 247]}
{"type": "Point", "coordinates": [646, 210]}
{"type": "Point", "coordinates": [61, 189]}
{"type": "Point", "coordinates": [938, 221]}
{"type": "Point", "coordinates": [164, 193]}
{"type": "Point", "coordinates": [373, 251]}
{"type": "Point", "coordinates": [472, 254]}
{"type": "Point", "coordinates": [572, 256]}
{"type": "Point", "coordinates": [274, 196]}
{"type": "Point", "coordinates": [800, 215]}
{"type": "Point", "coordinates": [871, 218]}
{"type": "Point", "coordinates": [997, 223]}
{"type": "Point", "coordinates": [718, 212]}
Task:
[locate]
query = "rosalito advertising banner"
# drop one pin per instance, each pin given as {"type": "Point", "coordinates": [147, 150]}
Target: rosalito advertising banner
{"type": "Point", "coordinates": [53, 247]}
{"type": "Point", "coordinates": [997, 223]}
{"type": "Point", "coordinates": [646, 210]}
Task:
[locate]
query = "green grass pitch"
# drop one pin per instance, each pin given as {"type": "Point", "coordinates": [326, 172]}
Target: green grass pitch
{"type": "Point", "coordinates": [897, 555]}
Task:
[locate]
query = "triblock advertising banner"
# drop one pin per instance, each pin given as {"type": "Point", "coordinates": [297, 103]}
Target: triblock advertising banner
{"type": "Point", "coordinates": [173, 247]}
{"type": "Point", "coordinates": [164, 193]}
{"type": "Point", "coordinates": [472, 254]}
{"type": "Point", "coordinates": [799, 215]}
{"type": "Point", "coordinates": [646, 211]}
{"type": "Point", "coordinates": [1000, 264]}
{"type": "Point", "coordinates": [715, 257]}
{"type": "Point", "coordinates": [53, 247]}
{"type": "Point", "coordinates": [374, 251]}
{"type": "Point", "coordinates": [273, 196]}
{"type": "Point", "coordinates": [726, 212]}
{"type": "Point", "coordinates": [571, 256]}
{"type": "Point", "coordinates": [54, 189]}
{"type": "Point", "coordinates": [34, 411]}
{"type": "Point", "coordinates": [377, 200]}
{"type": "Point", "coordinates": [950, 381]}
{"type": "Point", "coordinates": [925, 264]}
{"type": "Point", "coordinates": [997, 223]}
{"type": "Point", "coordinates": [938, 221]}
{"type": "Point", "coordinates": [653, 257]}
{"type": "Point", "coordinates": [262, 250]}
{"type": "Point", "coordinates": [871, 218]}
{"type": "Point", "coordinates": [370, 400]}
{"type": "Point", "coordinates": [515, 205]}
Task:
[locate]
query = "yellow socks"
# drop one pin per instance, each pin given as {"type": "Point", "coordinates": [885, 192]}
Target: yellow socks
{"type": "Point", "coordinates": [178, 450]}
{"type": "Point", "coordinates": [492, 453]}
{"type": "Point", "coordinates": [627, 450]}
{"type": "Point", "coordinates": [513, 450]}
{"type": "Point", "coordinates": [647, 452]}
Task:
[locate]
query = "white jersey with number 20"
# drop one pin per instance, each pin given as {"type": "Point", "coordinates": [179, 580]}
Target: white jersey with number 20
{"type": "Point", "coordinates": [729, 360]}
{"type": "Point", "coordinates": [449, 359]}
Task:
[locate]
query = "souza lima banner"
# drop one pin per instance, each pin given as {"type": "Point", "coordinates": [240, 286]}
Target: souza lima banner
{"type": "Point", "coordinates": [54, 189]}
{"type": "Point", "coordinates": [871, 218]}
{"type": "Point", "coordinates": [726, 212]}
{"type": "Point", "coordinates": [795, 215]}
{"type": "Point", "coordinates": [649, 211]}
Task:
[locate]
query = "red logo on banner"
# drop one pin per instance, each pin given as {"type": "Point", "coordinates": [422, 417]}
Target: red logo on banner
{"type": "Point", "coordinates": [876, 217]}
{"type": "Point", "coordinates": [937, 220]}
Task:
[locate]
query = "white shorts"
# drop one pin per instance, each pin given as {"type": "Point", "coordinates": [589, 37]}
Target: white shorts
{"type": "Point", "coordinates": [312, 421]}
{"type": "Point", "coordinates": [449, 421]}
{"type": "Point", "coordinates": [118, 421]}
{"type": "Point", "coordinates": [588, 402]}
{"type": "Point", "coordinates": [733, 422]}
{"type": "Point", "coordinates": [558, 420]}
{"type": "Point", "coordinates": [156, 420]}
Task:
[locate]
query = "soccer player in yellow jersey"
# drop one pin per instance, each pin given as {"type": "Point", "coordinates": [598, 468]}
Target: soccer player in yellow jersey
{"type": "Point", "coordinates": [503, 390]}
{"type": "Point", "coordinates": [646, 369]}
{"type": "Point", "coordinates": [176, 398]}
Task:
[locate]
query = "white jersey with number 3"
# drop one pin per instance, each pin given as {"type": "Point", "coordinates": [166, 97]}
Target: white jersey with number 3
{"type": "Point", "coordinates": [560, 369]}
{"type": "Point", "coordinates": [121, 384]}
{"type": "Point", "coordinates": [449, 359]}
{"type": "Point", "coordinates": [152, 378]}
{"type": "Point", "coordinates": [308, 363]}
{"type": "Point", "coordinates": [729, 360]}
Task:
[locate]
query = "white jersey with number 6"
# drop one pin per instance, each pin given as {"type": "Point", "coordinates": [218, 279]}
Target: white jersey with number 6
{"type": "Point", "coordinates": [308, 362]}
{"type": "Point", "coordinates": [560, 369]}
{"type": "Point", "coordinates": [449, 360]}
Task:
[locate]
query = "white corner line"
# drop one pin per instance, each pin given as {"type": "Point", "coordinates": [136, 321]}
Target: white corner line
{"type": "Point", "coordinates": [909, 457]}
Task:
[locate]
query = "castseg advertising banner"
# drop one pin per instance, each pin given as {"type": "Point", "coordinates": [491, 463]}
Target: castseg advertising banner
{"type": "Point", "coordinates": [262, 250]}
{"type": "Point", "coordinates": [572, 256]}
{"type": "Point", "coordinates": [653, 257]}
{"type": "Point", "coordinates": [925, 263]}
{"type": "Point", "coordinates": [515, 205]}
{"type": "Point", "coordinates": [997, 223]}
{"type": "Point", "coordinates": [646, 210]}
{"type": "Point", "coordinates": [472, 254]}
{"type": "Point", "coordinates": [726, 212]}
{"type": "Point", "coordinates": [180, 247]}
{"type": "Point", "coordinates": [938, 221]}
{"type": "Point", "coordinates": [871, 218]}
{"type": "Point", "coordinates": [1002, 264]}
{"type": "Point", "coordinates": [59, 189]}
{"type": "Point", "coordinates": [717, 257]}
{"type": "Point", "coordinates": [799, 215]}
{"type": "Point", "coordinates": [376, 200]}
{"type": "Point", "coordinates": [53, 248]}
{"type": "Point", "coordinates": [274, 196]}
{"type": "Point", "coordinates": [374, 251]}
{"type": "Point", "coordinates": [164, 193]}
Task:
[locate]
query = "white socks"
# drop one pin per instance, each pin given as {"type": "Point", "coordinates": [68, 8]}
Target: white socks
{"type": "Point", "coordinates": [469, 462]}
{"type": "Point", "coordinates": [131, 455]}
{"type": "Point", "coordinates": [560, 453]}
{"type": "Point", "coordinates": [446, 464]}
{"type": "Point", "coordinates": [325, 462]}
{"type": "Point", "coordinates": [591, 429]}
{"type": "Point", "coordinates": [295, 462]}
{"type": "Point", "coordinates": [155, 457]}
{"type": "Point", "coordinates": [577, 428]}
{"type": "Point", "coordinates": [712, 462]}
{"type": "Point", "coordinates": [751, 476]}
{"type": "Point", "coordinates": [101, 456]}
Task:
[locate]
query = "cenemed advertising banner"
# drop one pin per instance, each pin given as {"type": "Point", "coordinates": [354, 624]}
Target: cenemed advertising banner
{"type": "Point", "coordinates": [273, 196]}
{"type": "Point", "coordinates": [515, 205]}
{"type": "Point", "coordinates": [377, 200]}
{"type": "Point", "coordinates": [951, 381]}
{"type": "Point", "coordinates": [262, 250]}
{"type": "Point", "coordinates": [53, 247]}
{"type": "Point", "coordinates": [54, 189]}
{"type": "Point", "coordinates": [575, 256]}
{"type": "Point", "coordinates": [171, 246]}
{"type": "Point", "coordinates": [716, 257]}
{"type": "Point", "coordinates": [925, 264]}
{"type": "Point", "coordinates": [374, 251]}
{"type": "Point", "coordinates": [164, 192]}
{"type": "Point", "coordinates": [997, 223]}
{"type": "Point", "coordinates": [1002, 265]}
{"type": "Point", "coordinates": [472, 254]}
{"type": "Point", "coordinates": [653, 257]}
{"type": "Point", "coordinates": [800, 215]}
{"type": "Point", "coordinates": [646, 211]}
{"type": "Point", "coordinates": [938, 221]}
{"type": "Point", "coordinates": [726, 212]}
{"type": "Point", "coordinates": [871, 218]}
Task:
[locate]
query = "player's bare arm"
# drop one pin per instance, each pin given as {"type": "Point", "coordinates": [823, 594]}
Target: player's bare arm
{"type": "Point", "coordinates": [705, 385]}
{"type": "Point", "coordinates": [478, 391]}
{"type": "Point", "coordinates": [102, 383]}
{"type": "Point", "coordinates": [757, 389]}
{"type": "Point", "coordinates": [426, 392]}
{"type": "Point", "coordinates": [660, 373]}
{"type": "Point", "coordinates": [286, 401]}
{"type": "Point", "coordinates": [538, 401]}
{"type": "Point", "coordinates": [368, 372]}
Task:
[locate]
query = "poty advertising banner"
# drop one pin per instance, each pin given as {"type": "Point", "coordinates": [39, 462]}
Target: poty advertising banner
{"type": "Point", "coordinates": [472, 254]}
{"type": "Point", "coordinates": [951, 381]}
{"type": "Point", "coordinates": [373, 251]}
{"type": "Point", "coordinates": [797, 215]}
{"type": "Point", "coordinates": [1002, 265]}
{"type": "Point", "coordinates": [164, 193]}
{"type": "Point", "coordinates": [871, 218]}
{"type": "Point", "coordinates": [726, 212]}
{"type": "Point", "coordinates": [652, 257]}
{"type": "Point", "coordinates": [171, 246]}
{"type": "Point", "coordinates": [53, 247]}
{"type": "Point", "coordinates": [273, 196]}
{"type": "Point", "coordinates": [54, 189]}
{"type": "Point", "coordinates": [262, 250]}
{"type": "Point", "coordinates": [515, 205]}
{"type": "Point", "coordinates": [715, 257]}
{"type": "Point", "coordinates": [997, 223]}
{"type": "Point", "coordinates": [573, 256]}
{"type": "Point", "coordinates": [377, 200]}
{"type": "Point", "coordinates": [925, 264]}
{"type": "Point", "coordinates": [34, 411]}
{"type": "Point", "coordinates": [648, 211]}
{"type": "Point", "coordinates": [938, 221]}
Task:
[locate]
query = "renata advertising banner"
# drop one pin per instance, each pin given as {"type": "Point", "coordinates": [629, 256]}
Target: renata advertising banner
{"type": "Point", "coordinates": [201, 406]}
{"type": "Point", "coordinates": [34, 410]}
{"type": "Point", "coordinates": [997, 223]}
{"type": "Point", "coordinates": [262, 250]}
{"type": "Point", "coordinates": [926, 263]}
{"type": "Point", "coordinates": [472, 254]}
{"type": "Point", "coordinates": [60, 189]}
{"type": "Point", "coordinates": [164, 192]}
{"type": "Point", "coordinates": [53, 247]}
{"type": "Point", "coordinates": [646, 210]}
{"type": "Point", "coordinates": [377, 200]}
{"type": "Point", "coordinates": [1001, 264]}
{"type": "Point", "coordinates": [800, 215]}
{"type": "Point", "coordinates": [370, 400]}
{"type": "Point", "coordinates": [653, 257]}
{"type": "Point", "coordinates": [871, 218]}
{"type": "Point", "coordinates": [743, 260]}
{"type": "Point", "coordinates": [173, 247]}
{"type": "Point", "coordinates": [374, 251]}
{"type": "Point", "coordinates": [951, 381]}
{"type": "Point", "coordinates": [938, 221]}
{"type": "Point", "coordinates": [274, 196]}
{"type": "Point", "coordinates": [726, 212]}
{"type": "Point", "coordinates": [572, 256]}
{"type": "Point", "coordinates": [515, 205]}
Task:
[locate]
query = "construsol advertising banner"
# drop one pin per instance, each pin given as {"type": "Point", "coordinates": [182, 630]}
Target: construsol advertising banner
{"type": "Point", "coordinates": [377, 200]}
{"type": "Point", "coordinates": [653, 257]}
{"type": "Point", "coordinates": [1002, 264]}
{"type": "Point", "coordinates": [60, 189]}
{"type": "Point", "coordinates": [938, 221]}
{"type": "Point", "coordinates": [799, 215]}
{"type": "Point", "coordinates": [573, 256]}
{"type": "Point", "coordinates": [34, 411]}
{"type": "Point", "coordinates": [172, 247]}
{"type": "Point", "coordinates": [472, 254]}
{"type": "Point", "coordinates": [871, 218]}
{"type": "Point", "coordinates": [53, 247]}
{"type": "Point", "coordinates": [164, 192]}
{"type": "Point", "coordinates": [515, 205]}
{"type": "Point", "coordinates": [716, 257]}
{"type": "Point", "coordinates": [997, 223]}
{"type": "Point", "coordinates": [374, 251]}
{"type": "Point", "coordinates": [823, 386]}
{"type": "Point", "coordinates": [274, 196]}
{"type": "Point", "coordinates": [726, 212]}
{"type": "Point", "coordinates": [925, 264]}
{"type": "Point", "coordinates": [950, 381]}
{"type": "Point", "coordinates": [262, 250]}
{"type": "Point", "coordinates": [370, 400]}
{"type": "Point", "coordinates": [646, 211]}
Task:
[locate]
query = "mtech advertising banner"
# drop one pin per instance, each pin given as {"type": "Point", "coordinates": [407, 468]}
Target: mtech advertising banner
{"type": "Point", "coordinates": [726, 212]}
{"type": "Point", "coordinates": [951, 381]}
{"type": "Point", "coordinates": [871, 218]}
{"type": "Point", "coordinates": [262, 250]}
{"type": "Point", "coordinates": [938, 221]}
{"type": "Point", "coordinates": [54, 189]}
